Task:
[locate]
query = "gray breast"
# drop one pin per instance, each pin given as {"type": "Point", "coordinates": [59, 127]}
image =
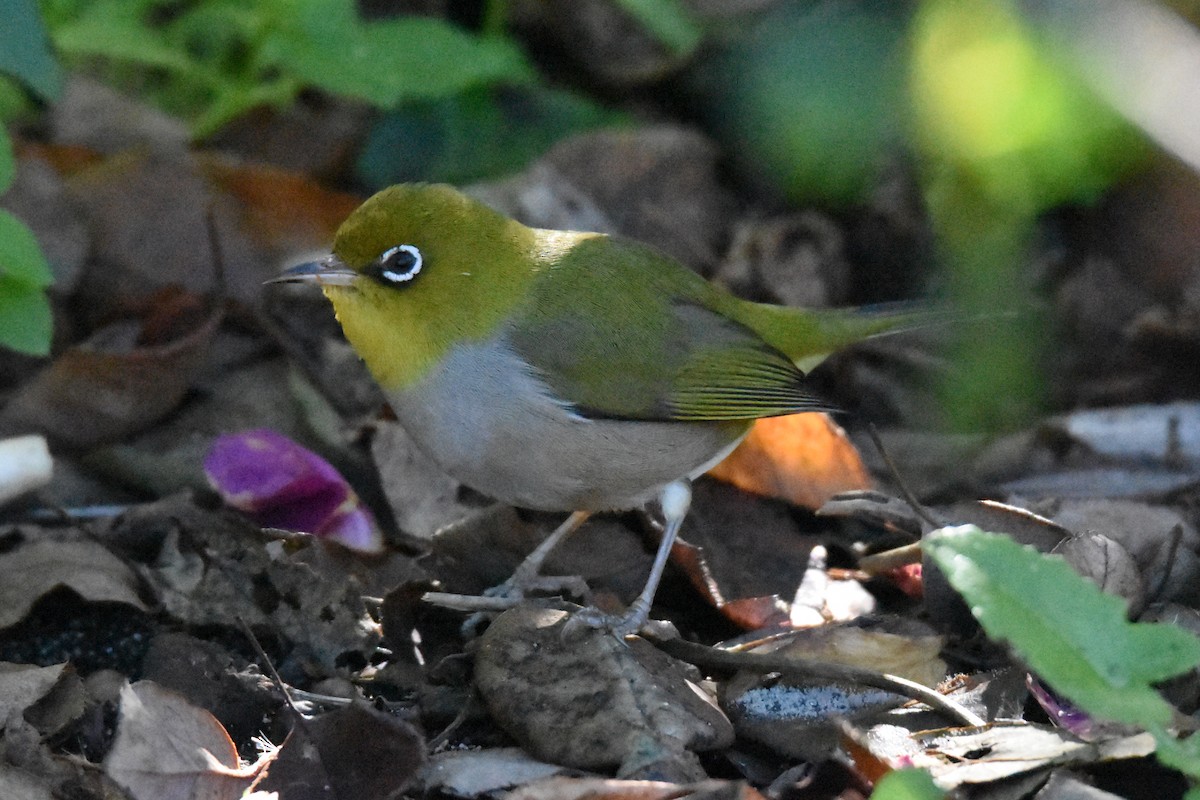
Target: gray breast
{"type": "Point", "coordinates": [490, 422]}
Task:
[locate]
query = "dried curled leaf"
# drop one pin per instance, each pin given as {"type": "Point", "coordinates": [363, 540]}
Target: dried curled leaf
{"type": "Point", "coordinates": [36, 568]}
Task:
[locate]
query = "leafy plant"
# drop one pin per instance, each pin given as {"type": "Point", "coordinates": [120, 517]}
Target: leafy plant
{"type": "Point", "coordinates": [25, 317]}
{"type": "Point", "coordinates": [212, 60]}
{"type": "Point", "coordinates": [1073, 635]}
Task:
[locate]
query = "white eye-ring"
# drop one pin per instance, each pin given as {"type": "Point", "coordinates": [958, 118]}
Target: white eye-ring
{"type": "Point", "coordinates": [400, 264]}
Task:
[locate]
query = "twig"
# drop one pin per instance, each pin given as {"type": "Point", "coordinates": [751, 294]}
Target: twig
{"type": "Point", "coordinates": [703, 656]}
{"type": "Point", "coordinates": [887, 560]}
{"type": "Point", "coordinates": [470, 602]}
{"type": "Point", "coordinates": [463, 713]}
{"type": "Point", "coordinates": [270, 667]}
{"type": "Point", "coordinates": [901, 484]}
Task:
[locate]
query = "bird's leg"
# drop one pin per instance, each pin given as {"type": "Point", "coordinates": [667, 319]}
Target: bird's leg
{"type": "Point", "coordinates": [675, 499]}
{"type": "Point", "coordinates": [528, 576]}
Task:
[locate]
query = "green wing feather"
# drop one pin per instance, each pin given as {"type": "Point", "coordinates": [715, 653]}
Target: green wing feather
{"type": "Point", "coordinates": [618, 330]}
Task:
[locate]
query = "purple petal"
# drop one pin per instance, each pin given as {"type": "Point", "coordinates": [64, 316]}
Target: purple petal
{"type": "Point", "coordinates": [280, 484]}
{"type": "Point", "coordinates": [1060, 711]}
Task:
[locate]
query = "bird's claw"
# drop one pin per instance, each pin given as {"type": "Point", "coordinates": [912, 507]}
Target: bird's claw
{"type": "Point", "coordinates": [632, 621]}
{"type": "Point", "coordinates": [517, 588]}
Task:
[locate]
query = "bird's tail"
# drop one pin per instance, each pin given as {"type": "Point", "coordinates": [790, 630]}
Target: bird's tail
{"type": "Point", "coordinates": [809, 335]}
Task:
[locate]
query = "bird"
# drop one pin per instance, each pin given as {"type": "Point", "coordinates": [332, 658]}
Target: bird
{"type": "Point", "coordinates": [568, 371]}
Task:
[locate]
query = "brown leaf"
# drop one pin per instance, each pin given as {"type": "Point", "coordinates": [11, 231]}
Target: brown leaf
{"type": "Point", "coordinates": [910, 650]}
{"type": "Point", "coordinates": [802, 458]}
{"type": "Point", "coordinates": [35, 568]}
{"type": "Point", "coordinates": [582, 698]}
{"type": "Point", "coordinates": [167, 749]}
{"type": "Point", "coordinates": [353, 752]}
{"type": "Point", "coordinates": [109, 387]}
{"type": "Point", "coordinates": [284, 211]}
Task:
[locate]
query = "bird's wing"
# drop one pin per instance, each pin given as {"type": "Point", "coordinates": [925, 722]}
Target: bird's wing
{"type": "Point", "coordinates": [615, 329]}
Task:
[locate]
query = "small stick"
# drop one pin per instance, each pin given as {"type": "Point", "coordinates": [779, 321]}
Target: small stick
{"type": "Point", "coordinates": [901, 484]}
{"type": "Point", "coordinates": [470, 602]}
{"type": "Point", "coordinates": [270, 667]}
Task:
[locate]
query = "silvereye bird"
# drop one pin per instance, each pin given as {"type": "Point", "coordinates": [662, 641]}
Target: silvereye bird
{"type": "Point", "coordinates": [563, 370]}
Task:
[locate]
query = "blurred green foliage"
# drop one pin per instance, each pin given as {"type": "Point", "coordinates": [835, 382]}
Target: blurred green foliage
{"type": "Point", "coordinates": [817, 98]}
{"type": "Point", "coordinates": [1004, 131]}
{"type": "Point", "coordinates": [811, 98]}
{"type": "Point", "coordinates": [25, 317]}
{"type": "Point", "coordinates": [991, 97]}
{"type": "Point", "coordinates": [474, 134]}
{"type": "Point", "coordinates": [212, 60]}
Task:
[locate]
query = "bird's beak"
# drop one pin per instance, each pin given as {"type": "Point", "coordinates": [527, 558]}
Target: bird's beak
{"type": "Point", "coordinates": [329, 271]}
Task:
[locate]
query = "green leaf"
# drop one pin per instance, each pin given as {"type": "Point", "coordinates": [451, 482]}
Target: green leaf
{"type": "Point", "coordinates": [25, 50]}
{"type": "Point", "coordinates": [1072, 634]}
{"type": "Point", "coordinates": [389, 61]}
{"type": "Point", "coordinates": [668, 21]}
{"type": "Point", "coordinates": [8, 166]}
{"type": "Point", "coordinates": [25, 318]}
{"type": "Point", "coordinates": [127, 41]}
{"type": "Point", "coordinates": [1182, 755]}
{"type": "Point", "coordinates": [907, 784]}
{"type": "Point", "coordinates": [21, 260]}
{"type": "Point", "coordinates": [477, 134]}
{"type": "Point", "coordinates": [235, 100]}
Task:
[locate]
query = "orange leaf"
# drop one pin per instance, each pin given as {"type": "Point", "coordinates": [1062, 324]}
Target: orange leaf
{"type": "Point", "coordinates": [803, 458]}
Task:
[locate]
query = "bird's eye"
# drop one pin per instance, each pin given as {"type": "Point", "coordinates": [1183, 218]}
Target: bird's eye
{"type": "Point", "coordinates": [398, 265]}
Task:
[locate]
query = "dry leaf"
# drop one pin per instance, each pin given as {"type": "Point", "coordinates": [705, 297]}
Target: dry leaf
{"type": "Point", "coordinates": [472, 773]}
{"type": "Point", "coordinates": [561, 788]}
{"type": "Point", "coordinates": [88, 569]}
{"type": "Point", "coordinates": [1005, 750]}
{"type": "Point", "coordinates": [213, 567]}
{"type": "Point", "coordinates": [168, 749]}
{"type": "Point", "coordinates": [22, 685]}
{"type": "Point", "coordinates": [803, 458]}
{"type": "Point", "coordinates": [738, 547]}
{"type": "Point", "coordinates": [582, 698]}
{"type": "Point", "coordinates": [910, 650]}
{"type": "Point", "coordinates": [423, 498]}
{"type": "Point", "coordinates": [109, 387]}
{"type": "Point", "coordinates": [353, 752]}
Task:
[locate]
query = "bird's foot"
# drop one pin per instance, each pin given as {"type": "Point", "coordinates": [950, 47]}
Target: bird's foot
{"type": "Point", "coordinates": [505, 595]}
{"type": "Point", "coordinates": [518, 587]}
{"type": "Point", "coordinates": [635, 618]}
